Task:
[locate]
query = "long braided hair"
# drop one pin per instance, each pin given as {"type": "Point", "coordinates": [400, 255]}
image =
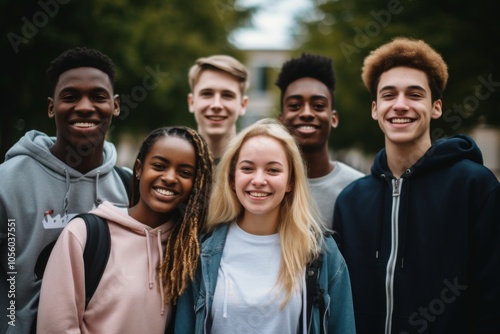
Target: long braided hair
{"type": "Point", "coordinates": [182, 250]}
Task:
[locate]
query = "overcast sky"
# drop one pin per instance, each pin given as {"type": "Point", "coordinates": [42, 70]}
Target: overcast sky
{"type": "Point", "coordinates": [272, 24]}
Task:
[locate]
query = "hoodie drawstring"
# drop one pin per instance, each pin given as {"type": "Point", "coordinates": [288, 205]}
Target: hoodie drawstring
{"type": "Point", "coordinates": [161, 283]}
{"type": "Point", "coordinates": [405, 198]}
{"type": "Point", "coordinates": [226, 293]}
{"type": "Point", "coordinates": [98, 200]}
{"type": "Point", "coordinates": [66, 196]}
{"type": "Point", "coordinates": [150, 276]}
{"type": "Point", "coordinates": [148, 246]}
{"type": "Point", "coordinates": [383, 178]}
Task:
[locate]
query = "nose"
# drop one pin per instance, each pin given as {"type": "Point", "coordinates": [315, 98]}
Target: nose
{"type": "Point", "coordinates": [216, 102]}
{"type": "Point", "coordinates": [306, 112]}
{"type": "Point", "coordinates": [169, 176]}
{"type": "Point", "coordinates": [84, 104]}
{"type": "Point", "coordinates": [400, 103]}
{"type": "Point", "coordinates": [259, 178]}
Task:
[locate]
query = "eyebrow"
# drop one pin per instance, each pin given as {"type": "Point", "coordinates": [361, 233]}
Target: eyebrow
{"type": "Point", "coordinates": [298, 96]}
{"type": "Point", "coordinates": [159, 157]}
{"type": "Point", "coordinates": [412, 87]}
{"type": "Point", "coordinates": [253, 163]}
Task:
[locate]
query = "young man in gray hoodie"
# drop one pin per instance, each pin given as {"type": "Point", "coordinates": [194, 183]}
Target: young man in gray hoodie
{"type": "Point", "coordinates": [48, 180]}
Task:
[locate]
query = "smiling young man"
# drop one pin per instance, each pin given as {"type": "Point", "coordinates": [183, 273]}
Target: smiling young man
{"type": "Point", "coordinates": [307, 110]}
{"type": "Point", "coordinates": [421, 234]}
{"type": "Point", "coordinates": [217, 98]}
{"type": "Point", "coordinates": [48, 180]}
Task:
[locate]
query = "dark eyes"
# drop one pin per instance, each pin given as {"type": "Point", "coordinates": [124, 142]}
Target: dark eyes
{"type": "Point", "coordinates": [294, 106]}
{"type": "Point", "coordinates": [185, 173]}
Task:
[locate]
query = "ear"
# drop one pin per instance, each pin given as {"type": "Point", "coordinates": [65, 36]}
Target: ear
{"type": "Point", "coordinates": [244, 103]}
{"type": "Point", "coordinates": [335, 119]}
{"type": "Point", "coordinates": [50, 107]}
{"type": "Point", "coordinates": [374, 110]}
{"type": "Point", "coordinates": [116, 105]}
{"type": "Point", "coordinates": [190, 103]}
{"type": "Point", "coordinates": [289, 188]}
{"type": "Point", "coordinates": [137, 169]}
{"type": "Point", "coordinates": [437, 109]}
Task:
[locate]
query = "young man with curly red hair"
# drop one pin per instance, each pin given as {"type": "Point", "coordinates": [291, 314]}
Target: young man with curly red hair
{"type": "Point", "coordinates": [421, 234]}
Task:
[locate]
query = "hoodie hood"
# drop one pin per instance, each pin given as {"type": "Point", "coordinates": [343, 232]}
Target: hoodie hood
{"type": "Point", "coordinates": [154, 239]}
{"type": "Point", "coordinates": [36, 145]}
{"type": "Point", "coordinates": [442, 152]}
{"type": "Point", "coordinates": [34, 148]}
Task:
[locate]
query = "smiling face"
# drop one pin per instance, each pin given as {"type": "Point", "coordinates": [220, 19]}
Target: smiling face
{"type": "Point", "coordinates": [165, 178]}
{"type": "Point", "coordinates": [83, 106]}
{"type": "Point", "coordinates": [216, 102]}
{"type": "Point", "coordinates": [404, 107]}
{"type": "Point", "coordinates": [262, 178]}
{"type": "Point", "coordinates": [307, 112]}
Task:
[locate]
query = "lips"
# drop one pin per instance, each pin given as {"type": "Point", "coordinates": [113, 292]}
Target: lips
{"type": "Point", "coordinates": [258, 194]}
{"type": "Point", "coordinates": [216, 118]}
{"type": "Point", "coordinates": [164, 192]}
{"type": "Point", "coordinates": [85, 123]}
{"type": "Point", "coordinates": [306, 127]}
{"type": "Point", "coordinates": [401, 120]}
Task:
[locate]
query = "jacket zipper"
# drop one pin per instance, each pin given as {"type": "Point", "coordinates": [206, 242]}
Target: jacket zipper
{"type": "Point", "coordinates": [391, 264]}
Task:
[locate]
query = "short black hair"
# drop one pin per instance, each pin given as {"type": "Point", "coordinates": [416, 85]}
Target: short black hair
{"type": "Point", "coordinates": [80, 57]}
{"type": "Point", "coordinates": [306, 66]}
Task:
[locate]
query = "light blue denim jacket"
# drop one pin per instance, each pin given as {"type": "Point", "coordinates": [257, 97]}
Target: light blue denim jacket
{"type": "Point", "coordinates": [193, 314]}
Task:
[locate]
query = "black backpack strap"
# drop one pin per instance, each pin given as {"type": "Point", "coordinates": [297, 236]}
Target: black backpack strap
{"type": "Point", "coordinates": [125, 176]}
{"type": "Point", "coordinates": [96, 252]}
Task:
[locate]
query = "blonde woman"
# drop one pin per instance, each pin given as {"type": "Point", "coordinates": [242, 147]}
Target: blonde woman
{"type": "Point", "coordinates": [262, 232]}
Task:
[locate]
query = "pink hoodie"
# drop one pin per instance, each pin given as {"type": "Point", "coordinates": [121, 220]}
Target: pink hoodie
{"type": "Point", "coordinates": [129, 297]}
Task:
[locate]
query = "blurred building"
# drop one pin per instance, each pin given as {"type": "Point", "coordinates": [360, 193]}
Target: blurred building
{"type": "Point", "coordinates": [263, 66]}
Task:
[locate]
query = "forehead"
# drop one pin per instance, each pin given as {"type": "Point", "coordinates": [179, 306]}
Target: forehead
{"type": "Point", "coordinates": [173, 149]}
{"type": "Point", "coordinates": [307, 87]}
{"type": "Point", "coordinates": [262, 148]}
{"type": "Point", "coordinates": [402, 78]}
{"type": "Point", "coordinates": [84, 76]}
{"type": "Point", "coordinates": [214, 79]}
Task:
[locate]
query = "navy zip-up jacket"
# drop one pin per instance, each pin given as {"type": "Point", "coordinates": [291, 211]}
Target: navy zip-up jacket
{"type": "Point", "coordinates": [423, 251]}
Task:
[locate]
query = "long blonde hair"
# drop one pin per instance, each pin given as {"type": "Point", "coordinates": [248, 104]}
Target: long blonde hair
{"type": "Point", "coordinates": [299, 224]}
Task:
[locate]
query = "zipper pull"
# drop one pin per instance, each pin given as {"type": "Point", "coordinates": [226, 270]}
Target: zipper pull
{"type": "Point", "coordinates": [395, 189]}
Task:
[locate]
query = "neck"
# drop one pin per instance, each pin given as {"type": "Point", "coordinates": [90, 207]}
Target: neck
{"type": "Point", "coordinates": [402, 157]}
{"type": "Point", "coordinates": [317, 162]}
{"type": "Point", "coordinates": [149, 218]}
{"type": "Point", "coordinates": [84, 162]}
{"type": "Point", "coordinates": [218, 143]}
{"type": "Point", "coordinates": [265, 224]}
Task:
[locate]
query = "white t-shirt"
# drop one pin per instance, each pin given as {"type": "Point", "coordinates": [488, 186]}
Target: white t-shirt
{"type": "Point", "coordinates": [247, 299]}
{"type": "Point", "coordinates": [325, 189]}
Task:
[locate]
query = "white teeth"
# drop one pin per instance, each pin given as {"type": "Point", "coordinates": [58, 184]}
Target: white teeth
{"type": "Point", "coordinates": [164, 192]}
{"type": "Point", "coordinates": [401, 120]}
{"type": "Point", "coordinates": [256, 194]}
{"type": "Point", "coordinates": [84, 125]}
{"type": "Point", "coordinates": [306, 127]}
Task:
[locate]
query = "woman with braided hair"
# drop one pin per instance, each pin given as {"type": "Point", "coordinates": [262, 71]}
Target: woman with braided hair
{"type": "Point", "coordinates": [262, 232]}
{"type": "Point", "coordinates": [154, 245]}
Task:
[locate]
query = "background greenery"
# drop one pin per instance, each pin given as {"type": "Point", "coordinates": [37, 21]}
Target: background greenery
{"type": "Point", "coordinates": [167, 36]}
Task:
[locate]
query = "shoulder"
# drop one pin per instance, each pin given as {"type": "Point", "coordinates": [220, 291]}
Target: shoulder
{"type": "Point", "coordinates": [348, 171]}
{"type": "Point", "coordinates": [215, 238]}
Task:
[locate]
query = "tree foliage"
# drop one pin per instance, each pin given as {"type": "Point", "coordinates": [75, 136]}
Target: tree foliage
{"type": "Point", "coordinates": [153, 43]}
{"type": "Point", "coordinates": [466, 33]}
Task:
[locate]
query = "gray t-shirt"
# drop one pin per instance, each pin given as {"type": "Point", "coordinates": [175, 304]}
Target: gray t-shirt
{"type": "Point", "coordinates": [325, 189]}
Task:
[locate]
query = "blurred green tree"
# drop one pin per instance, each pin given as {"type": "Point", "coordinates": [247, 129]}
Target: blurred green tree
{"type": "Point", "coordinates": [466, 33]}
{"type": "Point", "coordinates": [153, 43]}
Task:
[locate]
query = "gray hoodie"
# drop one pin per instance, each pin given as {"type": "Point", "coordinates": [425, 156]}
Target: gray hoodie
{"type": "Point", "coordinates": [39, 194]}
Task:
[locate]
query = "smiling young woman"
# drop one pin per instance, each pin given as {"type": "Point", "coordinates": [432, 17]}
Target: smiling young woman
{"type": "Point", "coordinates": [262, 231]}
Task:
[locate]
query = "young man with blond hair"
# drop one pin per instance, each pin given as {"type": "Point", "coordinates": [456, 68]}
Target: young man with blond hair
{"type": "Point", "coordinates": [217, 99]}
{"type": "Point", "coordinates": [421, 234]}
